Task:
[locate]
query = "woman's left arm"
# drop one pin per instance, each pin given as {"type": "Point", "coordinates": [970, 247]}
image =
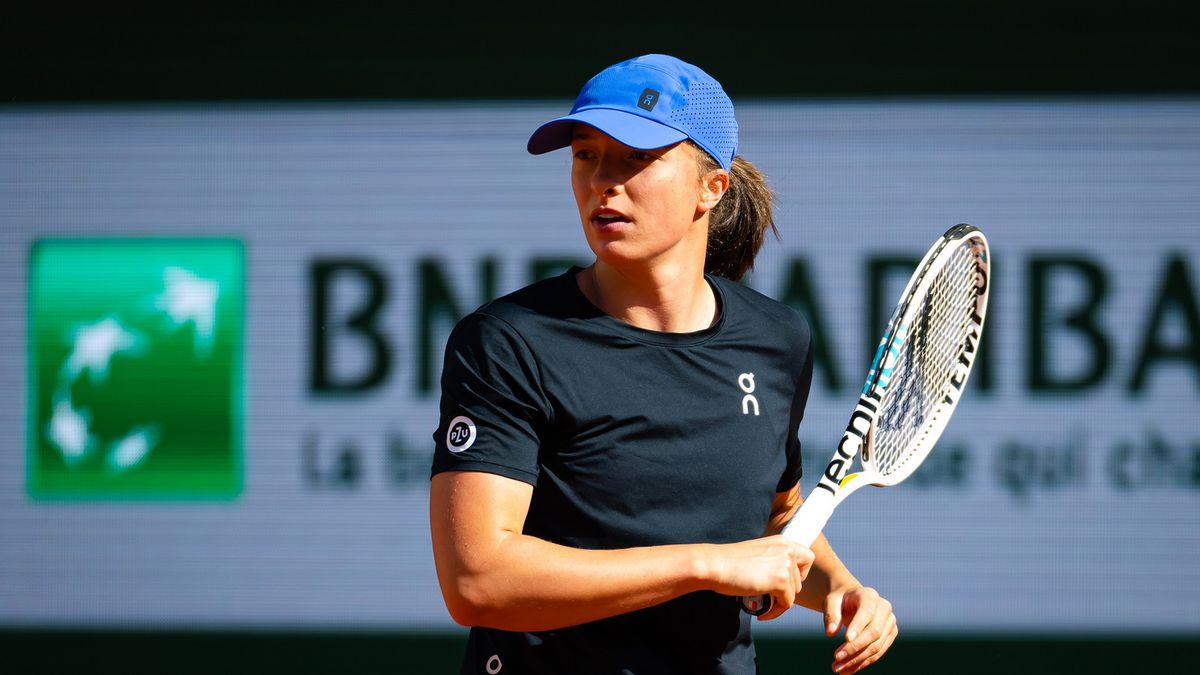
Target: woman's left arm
{"type": "Point", "coordinates": [832, 590]}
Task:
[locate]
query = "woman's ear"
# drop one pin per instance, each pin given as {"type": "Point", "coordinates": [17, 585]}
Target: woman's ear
{"type": "Point", "coordinates": [713, 186]}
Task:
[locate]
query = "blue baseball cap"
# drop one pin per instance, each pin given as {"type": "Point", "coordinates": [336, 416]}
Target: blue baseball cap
{"type": "Point", "coordinates": [650, 102]}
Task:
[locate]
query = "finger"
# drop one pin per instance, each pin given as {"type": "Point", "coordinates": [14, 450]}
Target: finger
{"type": "Point", "coordinates": [803, 570]}
{"type": "Point", "coordinates": [789, 593]}
{"type": "Point", "coordinates": [852, 661]}
{"type": "Point", "coordinates": [833, 614]}
{"type": "Point", "coordinates": [863, 614]}
{"type": "Point", "coordinates": [804, 558]}
{"type": "Point", "coordinates": [870, 653]}
{"type": "Point", "coordinates": [778, 607]}
{"type": "Point", "coordinates": [866, 657]}
{"type": "Point", "coordinates": [852, 649]}
{"type": "Point", "coordinates": [866, 637]}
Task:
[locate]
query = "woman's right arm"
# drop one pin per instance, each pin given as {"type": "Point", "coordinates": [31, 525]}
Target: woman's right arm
{"type": "Point", "coordinates": [493, 575]}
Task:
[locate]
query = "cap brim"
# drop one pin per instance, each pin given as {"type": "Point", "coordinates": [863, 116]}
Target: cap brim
{"type": "Point", "coordinates": [632, 130]}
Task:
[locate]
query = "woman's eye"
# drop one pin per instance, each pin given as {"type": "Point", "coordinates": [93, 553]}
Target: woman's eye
{"type": "Point", "coordinates": [643, 156]}
{"type": "Point", "coordinates": [583, 154]}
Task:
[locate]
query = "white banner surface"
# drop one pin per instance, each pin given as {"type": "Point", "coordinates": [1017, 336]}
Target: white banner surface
{"type": "Point", "coordinates": [1063, 498]}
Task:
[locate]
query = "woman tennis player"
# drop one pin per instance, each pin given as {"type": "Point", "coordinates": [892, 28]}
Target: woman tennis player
{"type": "Point", "coordinates": [617, 445]}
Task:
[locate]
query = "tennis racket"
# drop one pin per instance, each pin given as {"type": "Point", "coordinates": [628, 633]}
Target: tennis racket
{"type": "Point", "coordinates": [915, 381]}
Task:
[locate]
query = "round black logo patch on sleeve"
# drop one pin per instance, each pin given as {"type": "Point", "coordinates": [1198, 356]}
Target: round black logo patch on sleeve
{"type": "Point", "coordinates": [461, 434]}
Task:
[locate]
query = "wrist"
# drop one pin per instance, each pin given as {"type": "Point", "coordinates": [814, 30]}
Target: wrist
{"type": "Point", "coordinates": [700, 571]}
{"type": "Point", "coordinates": [823, 583]}
{"type": "Point", "coordinates": [829, 575]}
{"type": "Point", "coordinates": [843, 584]}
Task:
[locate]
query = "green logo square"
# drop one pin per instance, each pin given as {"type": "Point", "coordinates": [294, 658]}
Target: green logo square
{"type": "Point", "coordinates": [135, 368]}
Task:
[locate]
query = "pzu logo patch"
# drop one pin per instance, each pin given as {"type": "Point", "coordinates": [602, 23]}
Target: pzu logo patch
{"type": "Point", "coordinates": [460, 434]}
{"type": "Point", "coordinates": [648, 99]}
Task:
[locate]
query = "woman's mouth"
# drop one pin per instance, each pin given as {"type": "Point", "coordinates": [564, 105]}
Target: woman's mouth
{"type": "Point", "coordinates": [608, 219]}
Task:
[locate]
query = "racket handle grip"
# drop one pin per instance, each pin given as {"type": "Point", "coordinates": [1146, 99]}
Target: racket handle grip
{"type": "Point", "coordinates": [804, 527]}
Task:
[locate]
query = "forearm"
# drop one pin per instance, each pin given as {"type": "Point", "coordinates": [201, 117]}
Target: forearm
{"type": "Point", "coordinates": [525, 583]}
{"type": "Point", "coordinates": [492, 574]}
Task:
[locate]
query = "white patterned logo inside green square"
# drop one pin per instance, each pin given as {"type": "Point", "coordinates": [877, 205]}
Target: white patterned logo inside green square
{"type": "Point", "coordinates": [135, 357]}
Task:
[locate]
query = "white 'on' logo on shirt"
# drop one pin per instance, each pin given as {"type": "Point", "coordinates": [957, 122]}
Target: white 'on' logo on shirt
{"type": "Point", "coordinates": [746, 384]}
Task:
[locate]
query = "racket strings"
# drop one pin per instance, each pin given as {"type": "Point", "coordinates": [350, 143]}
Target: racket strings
{"type": "Point", "coordinates": [926, 363]}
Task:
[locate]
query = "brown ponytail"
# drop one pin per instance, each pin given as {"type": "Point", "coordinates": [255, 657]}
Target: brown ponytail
{"type": "Point", "coordinates": [738, 224]}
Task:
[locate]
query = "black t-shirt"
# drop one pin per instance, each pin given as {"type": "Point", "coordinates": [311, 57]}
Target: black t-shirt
{"type": "Point", "coordinates": [630, 438]}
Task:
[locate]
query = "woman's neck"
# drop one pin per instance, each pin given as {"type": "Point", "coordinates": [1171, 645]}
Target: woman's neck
{"type": "Point", "coordinates": [668, 299]}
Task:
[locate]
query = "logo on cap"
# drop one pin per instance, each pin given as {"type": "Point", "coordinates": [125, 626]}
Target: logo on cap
{"type": "Point", "coordinates": [648, 99]}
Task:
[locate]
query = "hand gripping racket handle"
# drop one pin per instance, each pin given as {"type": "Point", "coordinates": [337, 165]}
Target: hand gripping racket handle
{"type": "Point", "coordinates": [803, 528]}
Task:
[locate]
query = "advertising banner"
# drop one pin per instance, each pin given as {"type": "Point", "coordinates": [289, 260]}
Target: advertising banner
{"type": "Point", "coordinates": [224, 328]}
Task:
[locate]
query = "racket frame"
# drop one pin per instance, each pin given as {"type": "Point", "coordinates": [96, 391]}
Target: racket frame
{"type": "Point", "coordinates": [837, 482]}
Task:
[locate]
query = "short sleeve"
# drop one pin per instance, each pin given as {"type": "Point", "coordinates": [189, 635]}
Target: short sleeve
{"type": "Point", "coordinates": [795, 465]}
{"type": "Point", "coordinates": [492, 409]}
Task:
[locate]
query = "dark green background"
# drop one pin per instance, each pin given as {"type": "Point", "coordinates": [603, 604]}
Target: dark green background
{"type": "Point", "coordinates": [460, 50]}
{"type": "Point", "coordinates": [370, 654]}
{"type": "Point", "coordinates": [468, 50]}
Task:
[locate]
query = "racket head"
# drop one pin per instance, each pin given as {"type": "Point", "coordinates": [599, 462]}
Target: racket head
{"type": "Point", "coordinates": [889, 435]}
{"type": "Point", "coordinates": [926, 354]}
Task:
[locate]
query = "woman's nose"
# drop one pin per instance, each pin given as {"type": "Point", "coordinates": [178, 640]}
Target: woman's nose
{"type": "Point", "coordinates": [607, 178]}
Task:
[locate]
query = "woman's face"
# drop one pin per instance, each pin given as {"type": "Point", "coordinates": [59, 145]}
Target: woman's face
{"type": "Point", "coordinates": [638, 205]}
